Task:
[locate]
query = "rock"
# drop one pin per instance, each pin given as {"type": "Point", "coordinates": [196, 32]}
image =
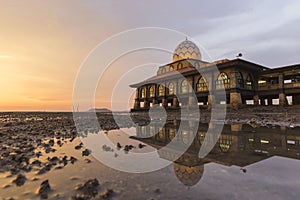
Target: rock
{"type": "Point", "coordinates": [119, 146]}
{"type": "Point", "coordinates": [58, 167]}
{"type": "Point", "coordinates": [243, 170]}
{"type": "Point", "coordinates": [90, 188]}
{"type": "Point", "coordinates": [107, 148]}
{"type": "Point", "coordinates": [252, 120]}
{"type": "Point", "coordinates": [59, 143]}
{"type": "Point", "coordinates": [86, 152]}
{"type": "Point", "coordinates": [44, 189]}
{"type": "Point", "coordinates": [73, 160]}
{"type": "Point", "coordinates": [45, 169]}
{"type": "Point", "coordinates": [54, 160]}
{"type": "Point", "coordinates": [38, 154]}
{"type": "Point", "coordinates": [51, 142]}
{"type": "Point", "coordinates": [20, 180]}
{"type": "Point", "coordinates": [64, 160]}
{"type": "Point", "coordinates": [36, 163]}
{"type": "Point", "coordinates": [107, 194]}
{"type": "Point", "coordinates": [128, 147]}
{"type": "Point", "coordinates": [157, 191]}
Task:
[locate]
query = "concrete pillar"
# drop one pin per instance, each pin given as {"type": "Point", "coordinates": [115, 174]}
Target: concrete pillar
{"type": "Point", "coordinates": [164, 103]}
{"type": "Point", "coordinates": [210, 100]}
{"type": "Point", "coordinates": [282, 99]}
{"type": "Point", "coordinates": [146, 104]}
{"type": "Point", "coordinates": [262, 102]}
{"type": "Point", "coordinates": [270, 101]}
{"type": "Point", "coordinates": [256, 100]}
{"type": "Point", "coordinates": [235, 100]}
{"type": "Point", "coordinates": [154, 101]}
{"type": "Point", "coordinates": [137, 94]}
{"type": "Point", "coordinates": [175, 102]}
{"type": "Point", "coordinates": [280, 81]}
{"type": "Point", "coordinates": [136, 104]}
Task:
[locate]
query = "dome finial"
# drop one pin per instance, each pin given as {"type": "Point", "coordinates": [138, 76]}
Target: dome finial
{"type": "Point", "coordinates": [186, 38]}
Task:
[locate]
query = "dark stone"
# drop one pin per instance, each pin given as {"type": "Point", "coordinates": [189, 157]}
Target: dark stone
{"type": "Point", "coordinates": [107, 194]}
{"type": "Point", "coordinates": [119, 146]}
{"type": "Point", "coordinates": [86, 152]}
{"type": "Point", "coordinates": [20, 180]}
{"type": "Point", "coordinates": [37, 163]}
{"type": "Point", "coordinates": [51, 142]}
{"type": "Point", "coordinates": [73, 160]}
{"type": "Point", "coordinates": [90, 188]}
{"type": "Point", "coordinates": [78, 146]}
{"type": "Point", "coordinates": [44, 189]}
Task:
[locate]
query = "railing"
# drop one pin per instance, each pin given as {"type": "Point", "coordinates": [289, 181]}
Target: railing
{"type": "Point", "coordinates": [292, 85]}
{"type": "Point", "coordinates": [268, 86]}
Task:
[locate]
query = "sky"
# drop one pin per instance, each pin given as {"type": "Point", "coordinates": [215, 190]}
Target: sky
{"type": "Point", "coordinates": [44, 43]}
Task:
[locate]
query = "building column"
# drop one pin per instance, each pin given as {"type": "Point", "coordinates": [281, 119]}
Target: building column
{"type": "Point", "coordinates": [270, 101]}
{"type": "Point", "coordinates": [164, 103]}
{"type": "Point", "coordinates": [136, 104]}
{"type": "Point", "coordinates": [154, 101]}
{"type": "Point", "coordinates": [256, 100]}
{"type": "Point", "coordinates": [146, 104]}
{"type": "Point", "coordinates": [210, 100]}
{"type": "Point", "coordinates": [175, 102]}
{"type": "Point", "coordinates": [235, 100]}
{"type": "Point", "coordinates": [262, 101]}
{"type": "Point", "coordinates": [282, 99]}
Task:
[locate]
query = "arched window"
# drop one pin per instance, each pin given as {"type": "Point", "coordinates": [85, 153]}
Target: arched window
{"type": "Point", "coordinates": [161, 90]}
{"type": "Point", "coordinates": [222, 81]}
{"type": "Point", "coordinates": [240, 80]}
{"type": "Point", "coordinates": [184, 87]}
{"type": "Point", "coordinates": [171, 68]}
{"type": "Point", "coordinates": [249, 83]}
{"type": "Point", "coordinates": [201, 85]}
{"type": "Point", "coordinates": [151, 91]}
{"type": "Point", "coordinates": [171, 134]}
{"type": "Point", "coordinates": [143, 93]}
{"type": "Point", "coordinates": [179, 66]}
{"type": "Point", "coordinates": [171, 89]}
{"type": "Point", "coordinates": [225, 143]}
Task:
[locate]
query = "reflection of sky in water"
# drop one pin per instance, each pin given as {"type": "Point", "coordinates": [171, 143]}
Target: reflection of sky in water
{"type": "Point", "coordinates": [274, 178]}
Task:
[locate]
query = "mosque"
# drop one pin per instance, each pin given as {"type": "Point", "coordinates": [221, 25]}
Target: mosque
{"type": "Point", "coordinates": [244, 82]}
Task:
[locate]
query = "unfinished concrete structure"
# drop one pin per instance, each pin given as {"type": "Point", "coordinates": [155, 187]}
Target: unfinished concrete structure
{"type": "Point", "coordinates": [244, 82]}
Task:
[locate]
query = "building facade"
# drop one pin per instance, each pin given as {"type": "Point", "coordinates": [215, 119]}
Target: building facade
{"type": "Point", "coordinates": [244, 82]}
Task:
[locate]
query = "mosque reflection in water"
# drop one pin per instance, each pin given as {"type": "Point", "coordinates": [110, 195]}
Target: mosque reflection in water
{"type": "Point", "coordinates": [238, 144]}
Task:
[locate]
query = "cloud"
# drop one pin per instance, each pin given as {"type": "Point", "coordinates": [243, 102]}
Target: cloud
{"type": "Point", "coordinates": [5, 57]}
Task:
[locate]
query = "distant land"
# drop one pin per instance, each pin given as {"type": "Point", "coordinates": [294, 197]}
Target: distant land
{"type": "Point", "coordinates": [102, 110]}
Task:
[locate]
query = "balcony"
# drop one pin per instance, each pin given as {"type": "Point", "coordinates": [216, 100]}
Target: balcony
{"type": "Point", "coordinates": [268, 86]}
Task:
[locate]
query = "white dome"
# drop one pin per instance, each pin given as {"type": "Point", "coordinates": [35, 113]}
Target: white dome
{"type": "Point", "coordinates": [186, 49]}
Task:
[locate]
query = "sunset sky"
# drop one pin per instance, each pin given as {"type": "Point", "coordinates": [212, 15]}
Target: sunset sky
{"type": "Point", "coordinates": [44, 43]}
